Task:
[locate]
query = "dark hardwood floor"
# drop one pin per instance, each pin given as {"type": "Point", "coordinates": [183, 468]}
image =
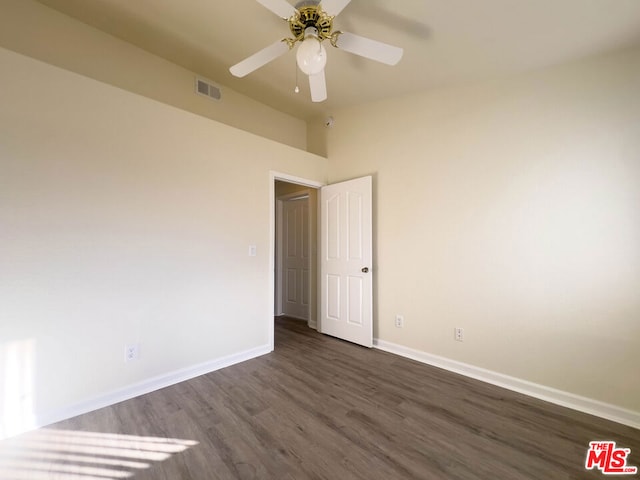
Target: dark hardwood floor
{"type": "Point", "coordinates": [319, 408]}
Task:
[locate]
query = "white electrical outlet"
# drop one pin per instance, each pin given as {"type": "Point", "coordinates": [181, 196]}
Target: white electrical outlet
{"type": "Point", "coordinates": [399, 321]}
{"type": "Point", "coordinates": [459, 334]}
{"type": "Point", "coordinates": [131, 352]}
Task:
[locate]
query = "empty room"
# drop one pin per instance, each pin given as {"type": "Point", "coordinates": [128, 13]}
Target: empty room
{"type": "Point", "coordinates": [268, 239]}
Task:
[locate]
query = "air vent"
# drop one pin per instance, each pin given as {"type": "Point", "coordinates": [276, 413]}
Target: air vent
{"type": "Point", "coordinates": [207, 88]}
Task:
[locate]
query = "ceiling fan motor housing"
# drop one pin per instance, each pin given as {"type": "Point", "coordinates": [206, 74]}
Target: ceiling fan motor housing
{"type": "Point", "coordinates": [311, 15]}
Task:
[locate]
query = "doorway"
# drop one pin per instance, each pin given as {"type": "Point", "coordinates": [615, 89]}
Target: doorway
{"type": "Point", "coordinates": [295, 293]}
{"type": "Point", "coordinates": [346, 267]}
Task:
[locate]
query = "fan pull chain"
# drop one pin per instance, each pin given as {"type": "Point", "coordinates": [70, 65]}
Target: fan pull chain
{"type": "Point", "coordinates": [297, 89]}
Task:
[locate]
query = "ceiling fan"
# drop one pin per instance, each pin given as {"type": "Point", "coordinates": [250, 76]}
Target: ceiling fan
{"type": "Point", "coordinates": [310, 23]}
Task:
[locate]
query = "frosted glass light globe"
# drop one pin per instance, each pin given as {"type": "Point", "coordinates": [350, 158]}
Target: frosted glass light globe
{"type": "Point", "coordinates": [311, 55]}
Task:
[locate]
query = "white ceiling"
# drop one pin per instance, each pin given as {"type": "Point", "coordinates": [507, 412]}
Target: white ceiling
{"type": "Point", "coordinates": [445, 41]}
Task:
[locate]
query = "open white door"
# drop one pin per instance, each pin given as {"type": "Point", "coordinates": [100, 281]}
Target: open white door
{"type": "Point", "coordinates": [346, 286]}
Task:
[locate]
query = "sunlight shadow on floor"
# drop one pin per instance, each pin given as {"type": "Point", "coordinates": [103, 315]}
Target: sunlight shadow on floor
{"type": "Point", "coordinates": [76, 455]}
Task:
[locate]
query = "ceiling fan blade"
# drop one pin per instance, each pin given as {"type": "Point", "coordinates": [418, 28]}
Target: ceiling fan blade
{"type": "Point", "coordinates": [318, 87]}
{"type": "Point", "coordinates": [371, 49]}
{"type": "Point", "coordinates": [334, 7]}
{"type": "Point", "coordinates": [259, 59]}
{"type": "Point", "coordinates": [279, 7]}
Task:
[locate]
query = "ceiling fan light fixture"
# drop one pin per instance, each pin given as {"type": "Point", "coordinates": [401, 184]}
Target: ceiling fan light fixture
{"type": "Point", "coordinates": [310, 23]}
{"type": "Point", "coordinates": [311, 54]}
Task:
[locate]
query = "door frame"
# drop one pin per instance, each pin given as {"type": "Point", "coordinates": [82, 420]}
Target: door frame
{"type": "Point", "coordinates": [285, 177]}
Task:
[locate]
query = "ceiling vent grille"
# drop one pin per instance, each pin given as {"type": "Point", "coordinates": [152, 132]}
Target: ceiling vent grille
{"type": "Point", "coordinates": [207, 88]}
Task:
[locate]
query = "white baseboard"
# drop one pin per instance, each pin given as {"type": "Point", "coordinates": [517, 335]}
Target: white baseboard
{"type": "Point", "coordinates": [559, 397]}
{"type": "Point", "coordinates": [146, 386]}
{"type": "Point", "coordinates": [313, 324]}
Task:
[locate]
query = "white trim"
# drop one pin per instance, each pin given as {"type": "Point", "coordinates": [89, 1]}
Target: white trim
{"type": "Point", "coordinates": [272, 258]}
{"type": "Point", "coordinates": [542, 392]}
{"type": "Point", "coordinates": [313, 324]}
{"type": "Point", "coordinates": [144, 387]}
{"type": "Point", "coordinates": [297, 180]}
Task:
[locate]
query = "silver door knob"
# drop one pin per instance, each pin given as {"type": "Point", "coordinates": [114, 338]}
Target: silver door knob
{"type": "Point", "coordinates": [365, 270]}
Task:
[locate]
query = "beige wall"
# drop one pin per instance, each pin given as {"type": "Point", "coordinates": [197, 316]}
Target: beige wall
{"type": "Point", "coordinates": [317, 133]}
{"type": "Point", "coordinates": [122, 221]}
{"type": "Point", "coordinates": [511, 210]}
{"type": "Point", "coordinates": [33, 29]}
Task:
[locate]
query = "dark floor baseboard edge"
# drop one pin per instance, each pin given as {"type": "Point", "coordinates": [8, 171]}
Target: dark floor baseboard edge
{"type": "Point", "coordinates": [311, 323]}
{"type": "Point", "coordinates": [143, 387]}
{"type": "Point", "coordinates": [558, 397]}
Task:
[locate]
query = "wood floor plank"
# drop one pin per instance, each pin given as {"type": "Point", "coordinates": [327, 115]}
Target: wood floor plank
{"type": "Point", "coordinates": [319, 408]}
